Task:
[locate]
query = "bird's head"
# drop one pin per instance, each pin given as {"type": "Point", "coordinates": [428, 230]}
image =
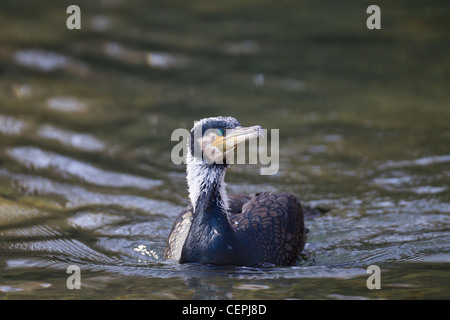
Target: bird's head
{"type": "Point", "coordinates": [214, 140]}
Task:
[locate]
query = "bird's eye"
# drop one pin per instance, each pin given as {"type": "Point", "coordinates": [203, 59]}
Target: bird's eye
{"type": "Point", "coordinates": [220, 132]}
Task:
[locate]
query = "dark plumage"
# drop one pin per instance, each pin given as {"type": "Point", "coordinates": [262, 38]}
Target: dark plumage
{"type": "Point", "coordinates": [248, 230]}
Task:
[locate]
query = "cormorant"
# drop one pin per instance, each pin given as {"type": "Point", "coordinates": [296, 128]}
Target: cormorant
{"type": "Point", "coordinates": [238, 230]}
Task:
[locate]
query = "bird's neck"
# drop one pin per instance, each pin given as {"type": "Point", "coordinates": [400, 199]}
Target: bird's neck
{"type": "Point", "coordinates": [207, 185]}
{"type": "Point", "coordinates": [211, 238]}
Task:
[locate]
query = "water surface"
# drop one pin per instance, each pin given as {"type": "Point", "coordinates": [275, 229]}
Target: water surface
{"type": "Point", "coordinates": [86, 118]}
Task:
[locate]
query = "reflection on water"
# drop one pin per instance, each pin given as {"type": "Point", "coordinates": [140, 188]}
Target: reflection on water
{"type": "Point", "coordinates": [67, 104]}
{"type": "Point", "coordinates": [47, 61]}
{"type": "Point", "coordinates": [86, 118]}
{"type": "Point", "coordinates": [80, 141]}
{"type": "Point", "coordinates": [10, 125]}
{"type": "Point", "coordinates": [75, 196]}
{"type": "Point", "coordinates": [38, 160]}
{"type": "Point", "coordinates": [41, 60]}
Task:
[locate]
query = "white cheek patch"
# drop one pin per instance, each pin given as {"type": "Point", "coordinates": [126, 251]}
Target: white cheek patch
{"type": "Point", "coordinates": [211, 154]}
{"type": "Point", "coordinates": [206, 140]}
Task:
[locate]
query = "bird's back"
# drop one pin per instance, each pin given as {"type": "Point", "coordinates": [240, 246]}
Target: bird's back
{"type": "Point", "coordinates": [269, 225]}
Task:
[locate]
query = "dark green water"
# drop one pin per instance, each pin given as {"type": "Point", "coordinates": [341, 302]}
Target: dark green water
{"type": "Point", "coordinates": [86, 117]}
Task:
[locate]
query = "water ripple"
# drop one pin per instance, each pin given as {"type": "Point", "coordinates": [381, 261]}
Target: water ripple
{"type": "Point", "coordinates": [48, 61]}
{"type": "Point", "coordinates": [38, 159]}
{"type": "Point", "coordinates": [11, 126]}
{"type": "Point", "coordinates": [14, 213]}
{"type": "Point", "coordinates": [80, 141]}
{"type": "Point", "coordinates": [425, 161]}
{"type": "Point", "coordinates": [66, 104]}
{"type": "Point", "coordinates": [68, 248]}
{"type": "Point", "coordinates": [41, 60]}
{"type": "Point", "coordinates": [76, 196]}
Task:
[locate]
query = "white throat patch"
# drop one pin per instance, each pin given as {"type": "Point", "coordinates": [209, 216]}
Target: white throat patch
{"type": "Point", "coordinates": [201, 177]}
